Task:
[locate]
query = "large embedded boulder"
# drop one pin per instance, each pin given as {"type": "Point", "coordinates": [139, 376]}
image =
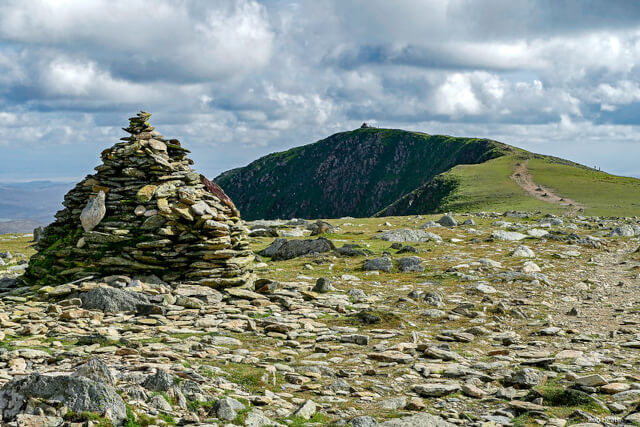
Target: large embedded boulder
{"type": "Point", "coordinates": [93, 213]}
{"type": "Point", "coordinates": [112, 300]}
{"type": "Point", "coordinates": [79, 393]}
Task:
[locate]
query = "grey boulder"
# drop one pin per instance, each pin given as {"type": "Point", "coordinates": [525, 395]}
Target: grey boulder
{"type": "Point", "coordinates": [378, 264]}
{"type": "Point", "coordinates": [270, 250]}
{"type": "Point", "coordinates": [436, 390]}
{"type": "Point", "coordinates": [409, 235]}
{"type": "Point", "coordinates": [624, 230]}
{"type": "Point", "coordinates": [160, 381]}
{"type": "Point", "coordinates": [526, 378]}
{"type": "Point", "coordinates": [80, 394]}
{"type": "Point", "coordinates": [410, 263]}
{"type": "Point", "coordinates": [226, 408]}
{"type": "Point", "coordinates": [295, 248]}
{"type": "Point", "coordinates": [418, 420]}
{"type": "Point", "coordinates": [508, 235]}
{"type": "Point", "coordinates": [93, 213]}
{"type": "Point", "coordinates": [364, 421]}
{"type": "Point", "coordinates": [323, 285]}
{"type": "Point", "coordinates": [38, 234]}
{"type": "Point", "coordinates": [112, 300]}
{"type": "Point", "coordinates": [97, 370]}
{"type": "Point", "coordinates": [448, 221]}
{"type": "Point", "coordinates": [523, 251]}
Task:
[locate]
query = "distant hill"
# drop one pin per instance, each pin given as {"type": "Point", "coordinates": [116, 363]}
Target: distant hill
{"type": "Point", "coordinates": [28, 204]}
{"type": "Point", "coordinates": [371, 171]}
{"type": "Point", "coordinates": [18, 226]}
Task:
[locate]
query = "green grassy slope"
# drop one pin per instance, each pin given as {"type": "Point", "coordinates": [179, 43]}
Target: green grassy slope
{"type": "Point", "coordinates": [488, 187]}
{"type": "Point", "coordinates": [482, 187]}
{"type": "Point", "coordinates": [600, 192]}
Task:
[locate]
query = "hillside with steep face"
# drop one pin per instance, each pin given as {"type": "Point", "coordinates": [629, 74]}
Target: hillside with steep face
{"type": "Point", "coordinates": [356, 173]}
{"type": "Point", "coordinates": [383, 172]}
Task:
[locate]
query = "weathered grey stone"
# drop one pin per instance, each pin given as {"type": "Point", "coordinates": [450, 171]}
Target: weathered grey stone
{"type": "Point", "coordinates": [97, 370]}
{"type": "Point", "coordinates": [322, 286]}
{"type": "Point", "coordinates": [38, 234]}
{"type": "Point", "coordinates": [80, 394]}
{"type": "Point", "coordinates": [526, 378]}
{"type": "Point", "coordinates": [93, 213]}
{"type": "Point", "coordinates": [378, 264]}
{"type": "Point", "coordinates": [306, 410]}
{"type": "Point", "coordinates": [270, 250]}
{"type": "Point", "coordinates": [408, 235]}
{"type": "Point", "coordinates": [410, 263]}
{"type": "Point", "coordinates": [523, 251]}
{"type": "Point", "coordinates": [256, 418]}
{"type": "Point", "coordinates": [364, 421]}
{"type": "Point", "coordinates": [160, 381]}
{"type": "Point", "coordinates": [448, 221]}
{"type": "Point", "coordinates": [112, 300]}
{"type": "Point", "coordinates": [352, 250]}
{"type": "Point", "coordinates": [159, 402]}
{"type": "Point", "coordinates": [507, 235]}
{"type": "Point", "coordinates": [295, 248]}
{"type": "Point", "coordinates": [418, 420]}
{"type": "Point", "coordinates": [226, 408]}
{"type": "Point", "coordinates": [624, 230]}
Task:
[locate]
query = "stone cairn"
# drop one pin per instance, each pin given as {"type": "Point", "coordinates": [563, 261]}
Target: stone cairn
{"type": "Point", "coordinates": [143, 212]}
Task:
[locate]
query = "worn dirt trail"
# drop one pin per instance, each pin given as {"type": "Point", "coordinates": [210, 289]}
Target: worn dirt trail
{"type": "Point", "coordinates": [523, 178]}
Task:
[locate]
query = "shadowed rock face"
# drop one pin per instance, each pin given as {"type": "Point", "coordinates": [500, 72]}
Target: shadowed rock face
{"type": "Point", "coordinates": [145, 211]}
{"type": "Point", "coordinates": [112, 300]}
{"type": "Point", "coordinates": [357, 173]}
{"type": "Point", "coordinates": [295, 248]}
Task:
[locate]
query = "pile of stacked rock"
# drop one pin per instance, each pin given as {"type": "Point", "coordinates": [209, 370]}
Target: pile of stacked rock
{"type": "Point", "coordinates": [145, 211]}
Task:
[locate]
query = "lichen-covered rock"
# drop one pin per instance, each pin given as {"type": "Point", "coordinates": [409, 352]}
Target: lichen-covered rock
{"type": "Point", "coordinates": [145, 209]}
{"type": "Point", "coordinates": [408, 235]}
{"type": "Point", "coordinates": [93, 213]}
{"type": "Point", "coordinates": [378, 264]}
{"type": "Point", "coordinates": [97, 370]}
{"type": "Point", "coordinates": [410, 263]}
{"type": "Point", "coordinates": [160, 381]}
{"type": "Point", "coordinates": [79, 393]}
{"type": "Point", "coordinates": [226, 408]}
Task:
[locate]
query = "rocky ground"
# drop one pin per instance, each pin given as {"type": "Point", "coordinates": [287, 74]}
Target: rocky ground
{"type": "Point", "coordinates": [488, 319]}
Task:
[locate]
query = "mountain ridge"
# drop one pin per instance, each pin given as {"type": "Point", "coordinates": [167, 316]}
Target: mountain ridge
{"type": "Point", "coordinates": [355, 173]}
{"type": "Point", "coordinates": [382, 172]}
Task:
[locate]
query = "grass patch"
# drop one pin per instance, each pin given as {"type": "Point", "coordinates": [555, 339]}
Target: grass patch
{"type": "Point", "coordinates": [318, 418]}
{"type": "Point", "coordinates": [98, 420]}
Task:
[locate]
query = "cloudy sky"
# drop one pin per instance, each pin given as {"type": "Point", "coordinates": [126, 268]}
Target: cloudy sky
{"type": "Point", "coordinates": [237, 79]}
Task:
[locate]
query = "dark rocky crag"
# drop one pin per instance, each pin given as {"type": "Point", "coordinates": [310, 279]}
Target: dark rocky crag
{"type": "Point", "coordinates": [357, 173]}
{"type": "Point", "coordinates": [145, 211]}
